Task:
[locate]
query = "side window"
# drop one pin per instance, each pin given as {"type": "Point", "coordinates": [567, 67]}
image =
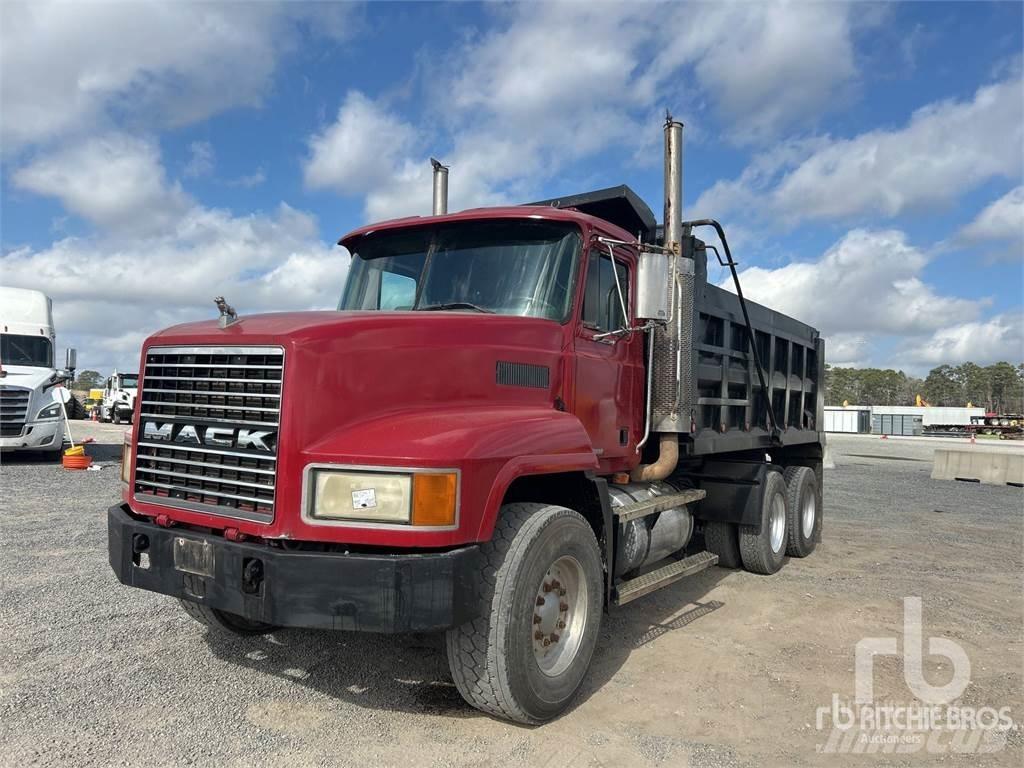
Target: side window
{"type": "Point", "coordinates": [396, 291]}
{"type": "Point", "coordinates": [601, 308]}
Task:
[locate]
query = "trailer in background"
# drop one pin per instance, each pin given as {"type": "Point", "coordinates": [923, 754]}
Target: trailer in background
{"type": "Point", "coordinates": [850, 419]}
{"type": "Point", "coordinates": [907, 425]}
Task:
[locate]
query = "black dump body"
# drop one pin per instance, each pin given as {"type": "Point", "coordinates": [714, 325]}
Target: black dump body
{"type": "Point", "coordinates": [717, 404]}
{"type": "Point", "coordinates": [730, 411]}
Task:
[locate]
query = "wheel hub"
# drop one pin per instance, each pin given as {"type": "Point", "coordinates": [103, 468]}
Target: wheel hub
{"type": "Point", "coordinates": [559, 615]}
{"type": "Point", "coordinates": [807, 513]}
{"type": "Point", "coordinates": [777, 522]}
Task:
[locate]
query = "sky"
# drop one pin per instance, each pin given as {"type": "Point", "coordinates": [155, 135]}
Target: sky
{"type": "Point", "coordinates": [866, 160]}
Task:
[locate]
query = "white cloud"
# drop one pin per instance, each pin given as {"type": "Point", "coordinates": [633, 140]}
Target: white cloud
{"type": "Point", "coordinates": [555, 83]}
{"type": "Point", "coordinates": [113, 288]}
{"type": "Point", "coordinates": [115, 181]}
{"type": "Point", "coordinates": [365, 143]}
{"type": "Point", "coordinates": [866, 286]}
{"type": "Point", "coordinates": [201, 160]}
{"type": "Point", "coordinates": [946, 149]}
{"type": "Point", "coordinates": [983, 342]}
{"type": "Point", "coordinates": [869, 281]}
{"type": "Point", "coordinates": [1000, 222]}
{"type": "Point", "coordinates": [765, 67]}
{"type": "Point", "coordinates": [70, 68]}
{"type": "Point", "coordinates": [249, 180]}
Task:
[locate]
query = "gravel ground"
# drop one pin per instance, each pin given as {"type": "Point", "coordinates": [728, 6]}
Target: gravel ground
{"type": "Point", "coordinates": [725, 668]}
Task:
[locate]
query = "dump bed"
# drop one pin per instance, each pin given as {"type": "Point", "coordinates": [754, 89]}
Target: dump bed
{"type": "Point", "coordinates": [718, 404]}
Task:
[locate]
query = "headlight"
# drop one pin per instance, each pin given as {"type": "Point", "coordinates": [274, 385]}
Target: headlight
{"type": "Point", "coordinates": [51, 411]}
{"type": "Point", "coordinates": [126, 461]}
{"type": "Point", "coordinates": [414, 498]}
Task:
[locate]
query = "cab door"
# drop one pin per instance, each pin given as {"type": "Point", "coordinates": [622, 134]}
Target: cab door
{"type": "Point", "coordinates": [609, 373]}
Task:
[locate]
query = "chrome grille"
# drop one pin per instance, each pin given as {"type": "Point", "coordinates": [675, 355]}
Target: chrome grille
{"type": "Point", "coordinates": [199, 410]}
{"type": "Point", "coordinates": [13, 410]}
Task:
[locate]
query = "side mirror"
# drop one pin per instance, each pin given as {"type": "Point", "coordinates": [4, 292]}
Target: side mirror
{"type": "Point", "coordinates": [652, 287]}
{"type": "Point", "coordinates": [71, 359]}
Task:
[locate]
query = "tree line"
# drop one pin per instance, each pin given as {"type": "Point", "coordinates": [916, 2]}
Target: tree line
{"type": "Point", "coordinates": [998, 387]}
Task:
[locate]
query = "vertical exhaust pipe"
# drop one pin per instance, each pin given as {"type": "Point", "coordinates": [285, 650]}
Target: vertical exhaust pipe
{"type": "Point", "coordinates": [673, 183]}
{"type": "Point", "coordinates": [668, 442]}
{"type": "Point", "coordinates": [440, 187]}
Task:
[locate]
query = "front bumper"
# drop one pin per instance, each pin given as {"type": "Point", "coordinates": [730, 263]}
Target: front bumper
{"type": "Point", "coordinates": [324, 590]}
{"type": "Point", "coordinates": [36, 436]}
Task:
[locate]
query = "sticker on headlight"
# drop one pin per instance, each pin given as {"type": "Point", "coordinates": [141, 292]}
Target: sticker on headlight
{"type": "Point", "coordinates": [364, 499]}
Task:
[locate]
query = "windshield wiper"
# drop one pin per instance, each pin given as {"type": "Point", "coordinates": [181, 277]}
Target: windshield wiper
{"type": "Point", "coordinates": [455, 305]}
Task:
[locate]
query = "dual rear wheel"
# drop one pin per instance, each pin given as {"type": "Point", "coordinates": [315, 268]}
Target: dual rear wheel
{"type": "Point", "coordinates": [790, 524]}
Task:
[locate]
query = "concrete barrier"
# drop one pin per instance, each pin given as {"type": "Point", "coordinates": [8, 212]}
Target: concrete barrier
{"type": "Point", "coordinates": [994, 468]}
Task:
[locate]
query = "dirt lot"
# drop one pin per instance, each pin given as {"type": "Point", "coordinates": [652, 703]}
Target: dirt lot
{"type": "Point", "coordinates": [726, 668]}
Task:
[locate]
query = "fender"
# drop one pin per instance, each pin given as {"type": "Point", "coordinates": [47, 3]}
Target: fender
{"type": "Point", "coordinates": [491, 446]}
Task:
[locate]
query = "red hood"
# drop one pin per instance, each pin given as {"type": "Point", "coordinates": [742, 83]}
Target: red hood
{"type": "Point", "coordinates": [342, 368]}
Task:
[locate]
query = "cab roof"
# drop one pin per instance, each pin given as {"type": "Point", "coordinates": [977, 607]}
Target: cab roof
{"type": "Point", "coordinates": [610, 211]}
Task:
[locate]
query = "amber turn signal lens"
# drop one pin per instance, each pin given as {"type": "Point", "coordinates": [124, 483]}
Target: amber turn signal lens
{"type": "Point", "coordinates": [433, 499]}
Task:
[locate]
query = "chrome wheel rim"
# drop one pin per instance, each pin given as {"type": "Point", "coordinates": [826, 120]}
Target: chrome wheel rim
{"type": "Point", "coordinates": [808, 513]}
{"type": "Point", "coordinates": [559, 616]}
{"type": "Point", "coordinates": [777, 522]}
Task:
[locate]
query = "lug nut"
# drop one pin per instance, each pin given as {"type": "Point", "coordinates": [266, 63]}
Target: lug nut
{"type": "Point", "coordinates": [555, 584]}
{"type": "Point", "coordinates": [561, 592]}
{"type": "Point", "coordinates": [563, 606]}
{"type": "Point", "coordinates": [546, 587]}
{"type": "Point", "coordinates": [540, 600]}
{"type": "Point", "coordinates": [546, 642]}
{"type": "Point", "coordinates": [536, 619]}
{"type": "Point", "coordinates": [561, 624]}
{"type": "Point", "coordinates": [554, 638]}
{"type": "Point", "coordinates": [538, 635]}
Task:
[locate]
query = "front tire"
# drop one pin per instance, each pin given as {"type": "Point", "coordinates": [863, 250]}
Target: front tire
{"type": "Point", "coordinates": [526, 656]}
{"type": "Point", "coordinates": [763, 546]}
{"type": "Point", "coordinates": [222, 621]}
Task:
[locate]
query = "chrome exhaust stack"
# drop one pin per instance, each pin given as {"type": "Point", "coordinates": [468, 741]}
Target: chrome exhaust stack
{"type": "Point", "coordinates": [673, 215]}
{"type": "Point", "coordinates": [440, 187]}
{"type": "Point", "coordinates": [664, 384]}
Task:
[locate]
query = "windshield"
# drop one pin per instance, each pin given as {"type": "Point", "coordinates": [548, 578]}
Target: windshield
{"type": "Point", "coordinates": [506, 267]}
{"type": "Point", "coordinates": [129, 380]}
{"type": "Point", "coordinates": [16, 349]}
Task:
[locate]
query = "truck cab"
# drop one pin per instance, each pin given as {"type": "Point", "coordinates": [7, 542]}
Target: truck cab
{"type": "Point", "coordinates": [517, 419]}
{"type": "Point", "coordinates": [118, 399]}
{"type": "Point", "coordinates": [31, 417]}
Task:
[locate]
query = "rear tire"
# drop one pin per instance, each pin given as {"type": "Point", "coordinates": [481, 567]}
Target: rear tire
{"type": "Point", "coordinates": [721, 539]}
{"type": "Point", "coordinates": [763, 546]}
{"type": "Point", "coordinates": [804, 509]}
{"type": "Point", "coordinates": [543, 579]}
{"type": "Point", "coordinates": [222, 621]}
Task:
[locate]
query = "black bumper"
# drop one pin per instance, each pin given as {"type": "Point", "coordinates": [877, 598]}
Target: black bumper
{"type": "Point", "coordinates": [362, 592]}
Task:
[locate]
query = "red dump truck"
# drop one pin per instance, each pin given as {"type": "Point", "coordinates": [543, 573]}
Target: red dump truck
{"type": "Point", "coordinates": [519, 419]}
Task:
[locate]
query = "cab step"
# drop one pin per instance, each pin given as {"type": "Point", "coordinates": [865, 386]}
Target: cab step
{"type": "Point", "coordinates": [657, 504]}
{"type": "Point", "coordinates": [625, 591]}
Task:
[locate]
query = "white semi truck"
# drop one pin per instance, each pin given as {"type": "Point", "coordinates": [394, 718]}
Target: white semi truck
{"type": "Point", "coordinates": [119, 392]}
{"type": "Point", "coordinates": [31, 418]}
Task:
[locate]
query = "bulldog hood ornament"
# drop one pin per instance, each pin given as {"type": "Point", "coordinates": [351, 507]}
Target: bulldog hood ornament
{"type": "Point", "coordinates": [228, 315]}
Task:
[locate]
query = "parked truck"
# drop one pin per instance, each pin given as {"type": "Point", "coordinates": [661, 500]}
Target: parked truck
{"type": "Point", "coordinates": [119, 393]}
{"type": "Point", "coordinates": [519, 419]}
{"type": "Point", "coordinates": [31, 416]}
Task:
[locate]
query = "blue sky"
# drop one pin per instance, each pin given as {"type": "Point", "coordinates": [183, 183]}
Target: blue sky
{"type": "Point", "coordinates": [866, 158]}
